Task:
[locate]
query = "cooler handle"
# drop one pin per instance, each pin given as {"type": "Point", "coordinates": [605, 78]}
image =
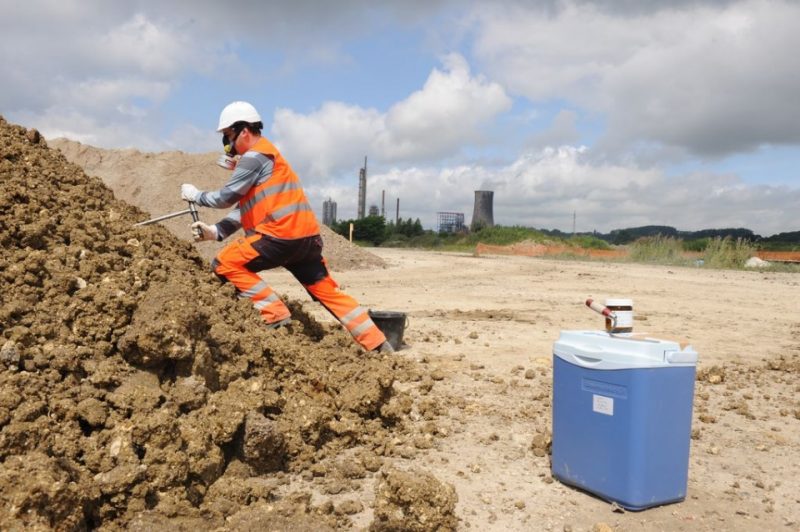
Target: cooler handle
{"type": "Point", "coordinates": [585, 352]}
{"type": "Point", "coordinates": [582, 355]}
{"type": "Point", "coordinates": [680, 357]}
{"type": "Point", "coordinates": [581, 360]}
{"type": "Point", "coordinates": [587, 361]}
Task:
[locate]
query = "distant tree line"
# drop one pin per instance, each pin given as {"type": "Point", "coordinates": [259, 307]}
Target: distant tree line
{"type": "Point", "coordinates": [375, 230]}
{"type": "Point", "coordinates": [631, 234]}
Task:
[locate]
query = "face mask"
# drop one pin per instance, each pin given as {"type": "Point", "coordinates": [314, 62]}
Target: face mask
{"type": "Point", "coordinates": [227, 161]}
{"type": "Point", "coordinates": [228, 145]}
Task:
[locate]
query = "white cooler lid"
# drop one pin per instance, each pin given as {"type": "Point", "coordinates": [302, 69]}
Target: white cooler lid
{"type": "Point", "coordinates": [601, 350]}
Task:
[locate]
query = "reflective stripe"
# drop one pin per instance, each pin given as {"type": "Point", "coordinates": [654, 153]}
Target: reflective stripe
{"type": "Point", "coordinates": [266, 301]}
{"type": "Point", "coordinates": [252, 291]}
{"type": "Point", "coordinates": [362, 327]}
{"type": "Point", "coordinates": [269, 191]}
{"type": "Point", "coordinates": [350, 316]}
{"type": "Point", "coordinates": [285, 211]}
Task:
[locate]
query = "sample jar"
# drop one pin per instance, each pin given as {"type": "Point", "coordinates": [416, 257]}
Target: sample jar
{"type": "Point", "coordinates": [623, 310]}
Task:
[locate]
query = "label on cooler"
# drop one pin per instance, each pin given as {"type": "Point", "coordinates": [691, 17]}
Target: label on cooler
{"type": "Point", "coordinates": [602, 404]}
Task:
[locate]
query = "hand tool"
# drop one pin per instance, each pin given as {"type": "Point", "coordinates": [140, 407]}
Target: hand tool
{"type": "Point", "coordinates": [604, 310]}
{"type": "Point", "coordinates": [192, 210]}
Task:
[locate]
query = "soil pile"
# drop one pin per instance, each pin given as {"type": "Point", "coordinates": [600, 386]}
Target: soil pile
{"type": "Point", "coordinates": [151, 181]}
{"type": "Point", "coordinates": [135, 390]}
{"type": "Point", "coordinates": [413, 501]}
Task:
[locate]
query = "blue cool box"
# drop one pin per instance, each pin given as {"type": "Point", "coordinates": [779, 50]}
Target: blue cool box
{"type": "Point", "coordinates": [622, 416]}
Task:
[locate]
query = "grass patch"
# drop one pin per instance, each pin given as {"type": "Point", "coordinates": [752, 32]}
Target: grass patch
{"type": "Point", "coordinates": [659, 250]}
{"type": "Point", "coordinates": [717, 253]}
{"type": "Point", "coordinates": [781, 267]}
{"type": "Point", "coordinates": [497, 235]}
{"type": "Point", "coordinates": [727, 253]}
{"type": "Point", "coordinates": [587, 242]}
{"type": "Point", "coordinates": [503, 236]}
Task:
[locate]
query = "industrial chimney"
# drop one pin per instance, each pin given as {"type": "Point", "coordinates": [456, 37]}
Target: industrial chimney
{"type": "Point", "coordinates": [482, 215]}
{"type": "Point", "coordinates": [362, 190]}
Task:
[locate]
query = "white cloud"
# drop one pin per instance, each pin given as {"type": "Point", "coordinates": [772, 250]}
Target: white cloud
{"type": "Point", "coordinates": [712, 80]}
{"type": "Point", "coordinates": [544, 188]}
{"type": "Point", "coordinates": [436, 121]}
{"type": "Point", "coordinates": [446, 113]}
{"type": "Point", "coordinates": [320, 142]}
{"type": "Point", "coordinates": [99, 76]}
{"type": "Point", "coordinates": [66, 122]}
{"type": "Point", "coordinates": [669, 80]}
{"type": "Point", "coordinates": [112, 94]}
{"type": "Point", "coordinates": [141, 45]}
{"type": "Point", "coordinates": [562, 131]}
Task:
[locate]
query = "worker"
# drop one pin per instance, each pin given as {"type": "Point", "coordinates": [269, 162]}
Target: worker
{"type": "Point", "coordinates": [280, 229]}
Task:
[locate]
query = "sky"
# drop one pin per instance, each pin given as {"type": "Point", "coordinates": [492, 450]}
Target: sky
{"type": "Point", "coordinates": [606, 114]}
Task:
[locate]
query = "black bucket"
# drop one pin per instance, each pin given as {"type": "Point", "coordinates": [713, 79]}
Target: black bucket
{"type": "Point", "coordinates": [392, 325]}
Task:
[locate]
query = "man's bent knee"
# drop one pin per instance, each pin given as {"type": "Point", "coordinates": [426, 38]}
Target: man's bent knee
{"type": "Point", "coordinates": [215, 268]}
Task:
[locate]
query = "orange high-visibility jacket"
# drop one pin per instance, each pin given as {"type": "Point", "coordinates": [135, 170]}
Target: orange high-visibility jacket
{"type": "Point", "coordinates": [277, 207]}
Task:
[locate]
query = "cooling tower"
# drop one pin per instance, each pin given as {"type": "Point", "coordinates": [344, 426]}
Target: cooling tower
{"type": "Point", "coordinates": [482, 215]}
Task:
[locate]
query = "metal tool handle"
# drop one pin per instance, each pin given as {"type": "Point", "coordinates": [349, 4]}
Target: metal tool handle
{"type": "Point", "coordinates": [197, 232]}
{"type": "Point", "coordinates": [162, 218]}
{"type": "Point", "coordinates": [602, 309]}
{"type": "Point", "coordinates": [192, 210]}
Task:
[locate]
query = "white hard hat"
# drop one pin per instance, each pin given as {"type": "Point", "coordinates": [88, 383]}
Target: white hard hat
{"type": "Point", "coordinates": [237, 112]}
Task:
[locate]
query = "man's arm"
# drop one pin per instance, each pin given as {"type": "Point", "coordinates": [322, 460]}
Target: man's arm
{"type": "Point", "coordinates": [252, 168]}
{"type": "Point", "coordinates": [229, 225]}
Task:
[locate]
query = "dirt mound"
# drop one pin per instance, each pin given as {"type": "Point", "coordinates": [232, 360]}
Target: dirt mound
{"type": "Point", "coordinates": [413, 501]}
{"type": "Point", "coordinates": [137, 390]}
{"type": "Point", "coordinates": [151, 181]}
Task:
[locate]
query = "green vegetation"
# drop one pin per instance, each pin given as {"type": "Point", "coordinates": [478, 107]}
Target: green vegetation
{"type": "Point", "coordinates": [588, 242]}
{"type": "Point", "coordinates": [502, 236]}
{"type": "Point", "coordinates": [727, 253]}
{"type": "Point", "coordinates": [696, 245]}
{"type": "Point", "coordinates": [374, 230]}
{"type": "Point", "coordinates": [783, 267]}
{"type": "Point", "coordinates": [717, 252]}
{"type": "Point", "coordinates": [632, 234]}
{"type": "Point", "coordinates": [658, 249]}
{"type": "Point", "coordinates": [781, 242]}
{"type": "Point", "coordinates": [497, 235]}
{"type": "Point", "coordinates": [705, 248]}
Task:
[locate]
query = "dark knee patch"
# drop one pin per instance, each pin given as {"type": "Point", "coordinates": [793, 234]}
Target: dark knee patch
{"type": "Point", "coordinates": [214, 265]}
{"type": "Point", "coordinates": [309, 273]}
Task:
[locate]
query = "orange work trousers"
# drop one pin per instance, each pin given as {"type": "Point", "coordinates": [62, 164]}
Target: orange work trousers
{"type": "Point", "coordinates": [240, 261]}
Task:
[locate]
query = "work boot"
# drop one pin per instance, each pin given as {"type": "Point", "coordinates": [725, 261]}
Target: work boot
{"type": "Point", "coordinates": [279, 324]}
{"type": "Point", "coordinates": [385, 348]}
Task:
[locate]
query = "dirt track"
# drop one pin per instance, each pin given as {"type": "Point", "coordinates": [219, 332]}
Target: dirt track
{"type": "Point", "coordinates": [113, 430]}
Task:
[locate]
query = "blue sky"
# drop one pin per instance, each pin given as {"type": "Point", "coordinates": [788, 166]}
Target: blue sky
{"type": "Point", "coordinates": [680, 112]}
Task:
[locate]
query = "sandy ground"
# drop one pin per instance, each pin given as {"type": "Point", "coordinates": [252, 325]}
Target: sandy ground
{"type": "Point", "coordinates": [482, 323]}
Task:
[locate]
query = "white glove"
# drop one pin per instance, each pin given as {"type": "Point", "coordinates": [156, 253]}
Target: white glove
{"type": "Point", "coordinates": [201, 231]}
{"type": "Point", "coordinates": [189, 192]}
